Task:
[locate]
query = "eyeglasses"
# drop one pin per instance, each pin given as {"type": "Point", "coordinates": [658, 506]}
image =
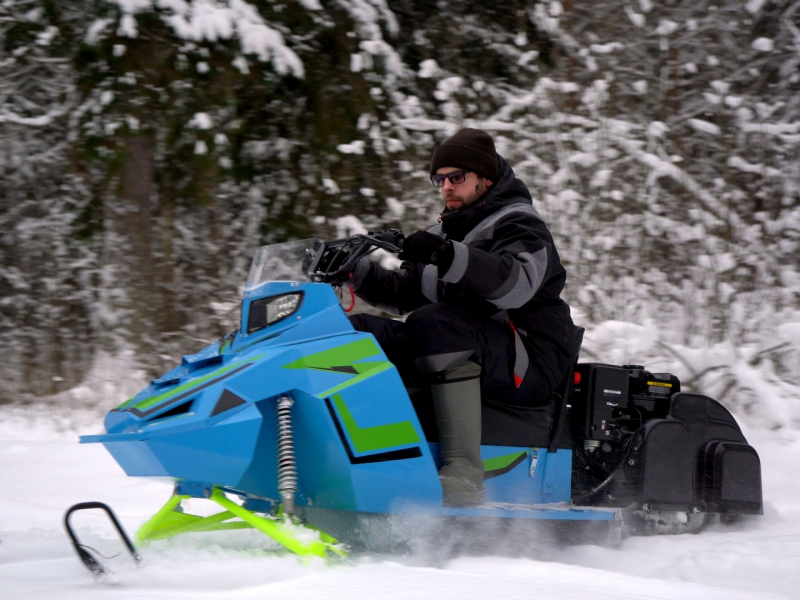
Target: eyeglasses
{"type": "Point", "coordinates": [456, 177]}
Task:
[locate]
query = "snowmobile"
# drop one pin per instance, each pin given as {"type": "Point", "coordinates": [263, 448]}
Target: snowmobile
{"type": "Point", "coordinates": [295, 423]}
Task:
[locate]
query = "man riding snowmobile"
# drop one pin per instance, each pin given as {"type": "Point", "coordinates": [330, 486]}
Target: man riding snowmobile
{"type": "Point", "coordinates": [484, 286]}
{"type": "Point", "coordinates": [296, 419]}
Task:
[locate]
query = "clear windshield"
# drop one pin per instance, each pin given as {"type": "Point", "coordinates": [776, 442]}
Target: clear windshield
{"type": "Point", "coordinates": [279, 262]}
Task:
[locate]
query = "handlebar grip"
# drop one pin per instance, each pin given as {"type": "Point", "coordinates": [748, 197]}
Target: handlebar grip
{"type": "Point", "coordinates": [391, 236]}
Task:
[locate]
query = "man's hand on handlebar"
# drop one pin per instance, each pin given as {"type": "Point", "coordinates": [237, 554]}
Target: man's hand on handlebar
{"type": "Point", "coordinates": [392, 237]}
{"type": "Point", "coordinates": [335, 261]}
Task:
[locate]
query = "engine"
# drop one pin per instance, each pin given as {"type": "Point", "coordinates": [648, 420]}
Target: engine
{"type": "Point", "coordinates": [637, 439]}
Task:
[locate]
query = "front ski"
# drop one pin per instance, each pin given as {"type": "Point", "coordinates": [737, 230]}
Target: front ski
{"type": "Point", "coordinates": [301, 539]}
{"type": "Point", "coordinates": [87, 558]}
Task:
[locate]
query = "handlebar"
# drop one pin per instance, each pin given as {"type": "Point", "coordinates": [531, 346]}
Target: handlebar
{"type": "Point", "coordinates": [334, 261]}
{"type": "Point", "coordinates": [390, 240]}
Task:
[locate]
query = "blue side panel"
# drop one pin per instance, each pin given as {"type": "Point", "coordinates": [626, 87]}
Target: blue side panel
{"type": "Point", "coordinates": [536, 478]}
{"type": "Point", "coordinates": [539, 479]}
{"type": "Point", "coordinates": [136, 458]}
{"type": "Point", "coordinates": [259, 476]}
{"type": "Point", "coordinates": [219, 454]}
{"type": "Point", "coordinates": [385, 487]}
{"type": "Point", "coordinates": [323, 468]}
{"type": "Point", "coordinates": [554, 478]}
{"type": "Point", "coordinates": [338, 472]}
{"type": "Point", "coordinates": [379, 400]}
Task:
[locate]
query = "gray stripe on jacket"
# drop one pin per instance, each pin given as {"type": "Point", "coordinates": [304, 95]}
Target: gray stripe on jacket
{"type": "Point", "coordinates": [459, 265]}
{"type": "Point", "coordinates": [485, 229]}
{"type": "Point", "coordinates": [523, 282]}
{"type": "Point", "coordinates": [527, 273]}
{"type": "Point", "coordinates": [430, 282]}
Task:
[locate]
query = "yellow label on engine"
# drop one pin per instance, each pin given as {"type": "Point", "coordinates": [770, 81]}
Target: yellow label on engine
{"type": "Point", "coordinates": [660, 384]}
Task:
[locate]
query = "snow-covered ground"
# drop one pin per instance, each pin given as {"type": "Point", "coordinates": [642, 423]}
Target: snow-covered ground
{"type": "Point", "coordinates": [43, 471]}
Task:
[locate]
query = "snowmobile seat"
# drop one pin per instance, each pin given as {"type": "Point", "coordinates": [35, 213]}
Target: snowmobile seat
{"type": "Point", "coordinates": [504, 424]}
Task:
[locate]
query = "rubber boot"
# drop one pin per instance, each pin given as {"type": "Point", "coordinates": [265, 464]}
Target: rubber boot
{"type": "Point", "coordinates": [456, 397]}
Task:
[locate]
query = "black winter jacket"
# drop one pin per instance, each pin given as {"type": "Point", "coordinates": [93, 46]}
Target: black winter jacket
{"type": "Point", "coordinates": [505, 267]}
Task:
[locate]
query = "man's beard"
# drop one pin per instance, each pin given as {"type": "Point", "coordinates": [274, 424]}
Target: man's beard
{"type": "Point", "coordinates": [458, 201]}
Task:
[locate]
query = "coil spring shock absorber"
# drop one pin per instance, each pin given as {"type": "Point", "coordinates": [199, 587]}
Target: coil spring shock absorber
{"type": "Point", "coordinates": [287, 468]}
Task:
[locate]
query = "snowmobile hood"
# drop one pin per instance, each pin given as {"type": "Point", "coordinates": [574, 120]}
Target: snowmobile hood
{"type": "Point", "coordinates": [318, 315]}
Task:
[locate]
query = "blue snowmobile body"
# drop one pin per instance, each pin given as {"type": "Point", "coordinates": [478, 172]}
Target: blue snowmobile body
{"type": "Point", "coordinates": [298, 413]}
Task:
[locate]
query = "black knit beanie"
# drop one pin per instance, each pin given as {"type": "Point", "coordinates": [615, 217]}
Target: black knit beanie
{"type": "Point", "coordinates": [471, 150]}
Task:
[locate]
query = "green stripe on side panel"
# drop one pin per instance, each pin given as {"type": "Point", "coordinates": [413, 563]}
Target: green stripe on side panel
{"type": "Point", "coordinates": [146, 403]}
{"type": "Point", "coordinates": [365, 371]}
{"type": "Point", "coordinates": [379, 437]}
{"type": "Point", "coordinates": [346, 354]}
{"type": "Point", "coordinates": [501, 462]}
{"type": "Point", "coordinates": [346, 359]}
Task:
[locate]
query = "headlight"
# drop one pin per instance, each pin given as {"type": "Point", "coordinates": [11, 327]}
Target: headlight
{"type": "Point", "coordinates": [267, 311]}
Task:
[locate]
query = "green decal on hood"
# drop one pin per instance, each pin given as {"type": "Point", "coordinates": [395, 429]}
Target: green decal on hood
{"type": "Point", "coordinates": [379, 437]}
{"type": "Point", "coordinates": [339, 358]}
{"type": "Point", "coordinates": [344, 359]}
{"type": "Point", "coordinates": [150, 401]}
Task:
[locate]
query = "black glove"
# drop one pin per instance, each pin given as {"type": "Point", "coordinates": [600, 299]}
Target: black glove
{"type": "Point", "coordinates": [427, 248]}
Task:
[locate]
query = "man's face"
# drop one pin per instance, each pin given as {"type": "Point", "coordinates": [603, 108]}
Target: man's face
{"type": "Point", "coordinates": [461, 195]}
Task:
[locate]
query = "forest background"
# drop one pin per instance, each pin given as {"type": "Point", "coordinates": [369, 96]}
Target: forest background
{"type": "Point", "coordinates": [147, 147]}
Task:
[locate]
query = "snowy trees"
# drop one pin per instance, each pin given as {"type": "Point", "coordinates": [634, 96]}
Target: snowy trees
{"type": "Point", "coordinates": [148, 147]}
{"type": "Point", "coordinates": [662, 142]}
{"type": "Point", "coordinates": [660, 123]}
{"type": "Point", "coordinates": [46, 264]}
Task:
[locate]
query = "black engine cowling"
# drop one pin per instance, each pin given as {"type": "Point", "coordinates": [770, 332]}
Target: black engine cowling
{"type": "Point", "coordinates": [639, 440]}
